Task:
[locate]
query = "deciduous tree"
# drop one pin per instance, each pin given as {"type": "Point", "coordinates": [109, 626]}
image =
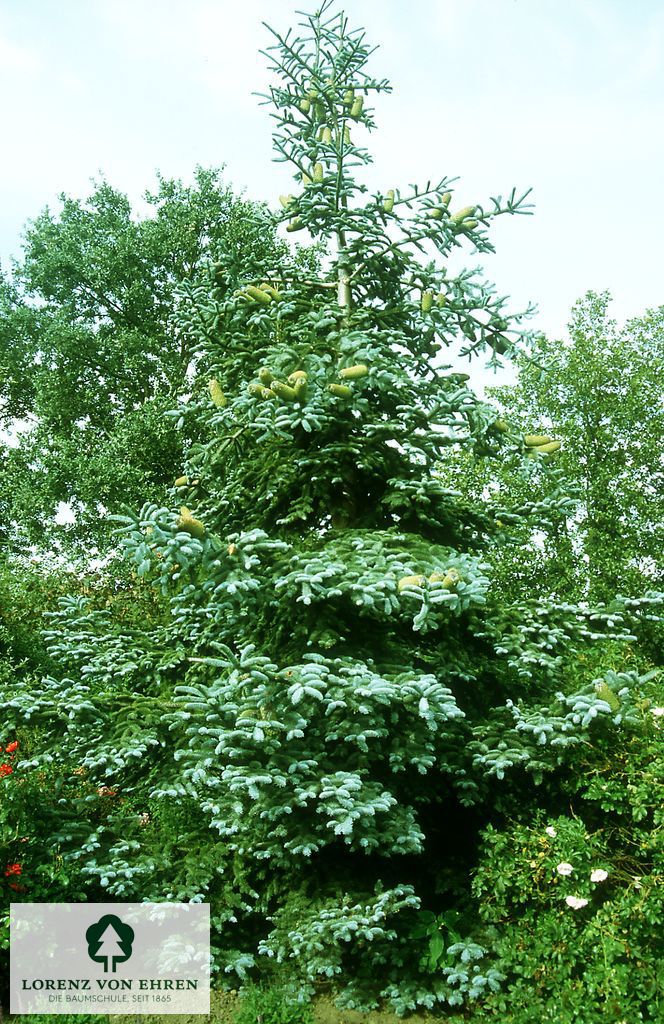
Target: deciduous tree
{"type": "Point", "coordinates": [601, 393]}
{"type": "Point", "coordinates": [90, 352]}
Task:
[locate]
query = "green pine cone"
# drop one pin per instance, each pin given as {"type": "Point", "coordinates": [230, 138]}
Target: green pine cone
{"type": "Point", "coordinates": [187, 523]}
{"type": "Point", "coordinates": [258, 295]}
{"type": "Point", "coordinates": [354, 372]}
{"type": "Point", "coordinates": [461, 215]}
{"type": "Point", "coordinates": [534, 440]}
{"type": "Point", "coordinates": [427, 302]}
{"type": "Point", "coordinates": [283, 391]}
{"type": "Point", "coordinates": [216, 394]}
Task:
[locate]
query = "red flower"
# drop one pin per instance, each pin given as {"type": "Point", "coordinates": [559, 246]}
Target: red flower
{"type": "Point", "coordinates": [16, 887]}
{"type": "Point", "coordinates": [5, 769]}
{"type": "Point", "coordinates": [11, 747]}
{"type": "Point", "coordinates": [13, 869]}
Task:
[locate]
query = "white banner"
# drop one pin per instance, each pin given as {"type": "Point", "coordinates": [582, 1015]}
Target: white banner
{"type": "Point", "coordinates": [131, 958]}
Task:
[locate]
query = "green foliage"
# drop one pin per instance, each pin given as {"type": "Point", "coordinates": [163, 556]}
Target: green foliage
{"type": "Point", "coordinates": [271, 1005]}
{"type": "Point", "coordinates": [600, 392]}
{"type": "Point", "coordinates": [532, 502]}
{"type": "Point", "coordinates": [440, 930]}
{"type": "Point", "coordinates": [323, 696]}
{"type": "Point", "coordinates": [28, 590]}
{"type": "Point", "coordinates": [598, 956]}
{"type": "Point", "coordinates": [64, 1018]}
{"type": "Point", "coordinates": [90, 355]}
{"type": "Point", "coordinates": [39, 808]}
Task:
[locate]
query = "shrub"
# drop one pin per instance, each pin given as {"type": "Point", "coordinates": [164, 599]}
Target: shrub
{"type": "Point", "coordinates": [574, 900]}
{"type": "Point", "coordinates": [271, 1005]}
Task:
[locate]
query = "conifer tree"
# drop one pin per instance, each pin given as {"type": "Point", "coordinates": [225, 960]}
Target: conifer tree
{"type": "Point", "coordinates": [336, 703]}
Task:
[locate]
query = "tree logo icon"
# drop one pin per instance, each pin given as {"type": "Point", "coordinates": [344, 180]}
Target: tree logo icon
{"type": "Point", "coordinates": [109, 941]}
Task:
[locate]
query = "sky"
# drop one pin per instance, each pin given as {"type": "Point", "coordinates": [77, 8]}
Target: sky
{"type": "Point", "coordinates": [564, 96]}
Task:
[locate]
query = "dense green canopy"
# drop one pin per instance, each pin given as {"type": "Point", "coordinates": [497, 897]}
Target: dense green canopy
{"type": "Point", "coordinates": [90, 352]}
{"type": "Point", "coordinates": [319, 694]}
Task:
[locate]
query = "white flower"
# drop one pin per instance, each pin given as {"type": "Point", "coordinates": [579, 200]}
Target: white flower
{"type": "Point", "coordinates": [564, 868]}
{"type": "Point", "coordinates": [657, 712]}
{"type": "Point", "coordinates": [576, 902]}
{"type": "Point", "coordinates": [550, 831]}
{"type": "Point", "coordinates": [599, 875]}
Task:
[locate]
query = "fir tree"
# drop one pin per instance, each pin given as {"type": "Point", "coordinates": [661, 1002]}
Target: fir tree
{"type": "Point", "coordinates": [336, 703]}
